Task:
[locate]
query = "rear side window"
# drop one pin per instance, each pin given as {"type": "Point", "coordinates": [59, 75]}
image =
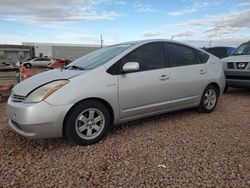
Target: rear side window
{"type": "Point", "coordinates": [202, 56]}
{"type": "Point", "coordinates": [149, 56]}
{"type": "Point", "coordinates": [180, 55]}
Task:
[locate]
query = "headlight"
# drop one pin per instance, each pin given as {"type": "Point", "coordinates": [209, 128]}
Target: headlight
{"type": "Point", "coordinates": [44, 91]}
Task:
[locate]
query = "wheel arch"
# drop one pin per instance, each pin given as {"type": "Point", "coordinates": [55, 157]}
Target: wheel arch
{"type": "Point", "coordinates": [104, 102]}
{"type": "Point", "coordinates": [216, 86]}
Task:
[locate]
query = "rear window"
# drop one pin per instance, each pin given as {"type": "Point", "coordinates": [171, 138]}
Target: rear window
{"type": "Point", "coordinates": [202, 56]}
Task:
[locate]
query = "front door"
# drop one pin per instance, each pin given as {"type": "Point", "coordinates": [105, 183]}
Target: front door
{"type": "Point", "coordinates": [146, 91]}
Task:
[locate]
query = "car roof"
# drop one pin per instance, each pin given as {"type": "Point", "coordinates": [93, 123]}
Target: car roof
{"type": "Point", "coordinates": [220, 47]}
{"type": "Point", "coordinates": [140, 42]}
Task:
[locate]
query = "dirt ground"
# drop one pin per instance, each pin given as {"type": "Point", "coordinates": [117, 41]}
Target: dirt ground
{"type": "Point", "coordinates": [180, 149]}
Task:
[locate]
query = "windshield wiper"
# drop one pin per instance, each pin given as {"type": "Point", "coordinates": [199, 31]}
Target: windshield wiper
{"type": "Point", "coordinates": [74, 67]}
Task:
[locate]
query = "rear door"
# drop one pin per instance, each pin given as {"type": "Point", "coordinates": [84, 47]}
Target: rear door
{"type": "Point", "coordinates": [146, 91]}
{"type": "Point", "coordinates": [188, 75]}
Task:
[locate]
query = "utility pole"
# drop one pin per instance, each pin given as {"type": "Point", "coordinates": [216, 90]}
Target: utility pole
{"type": "Point", "coordinates": [210, 43]}
{"type": "Point", "coordinates": [101, 41]}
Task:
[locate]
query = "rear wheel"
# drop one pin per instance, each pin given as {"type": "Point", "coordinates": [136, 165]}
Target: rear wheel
{"type": "Point", "coordinates": [209, 99]}
{"type": "Point", "coordinates": [87, 123]}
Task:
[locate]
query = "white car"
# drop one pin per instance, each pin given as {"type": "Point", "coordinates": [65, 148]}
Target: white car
{"type": "Point", "coordinates": [38, 62]}
{"type": "Point", "coordinates": [113, 85]}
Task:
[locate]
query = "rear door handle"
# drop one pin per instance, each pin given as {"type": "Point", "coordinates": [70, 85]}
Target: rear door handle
{"type": "Point", "coordinates": [202, 71]}
{"type": "Point", "coordinates": [164, 77]}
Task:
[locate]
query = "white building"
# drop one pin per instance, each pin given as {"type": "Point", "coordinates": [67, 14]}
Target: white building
{"type": "Point", "coordinates": [62, 51]}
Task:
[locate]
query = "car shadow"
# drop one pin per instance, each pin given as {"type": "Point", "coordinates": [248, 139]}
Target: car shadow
{"type": "Point", "coordinates": [152, 119]}
{"type": "Point", "coordinates": [238, 91]}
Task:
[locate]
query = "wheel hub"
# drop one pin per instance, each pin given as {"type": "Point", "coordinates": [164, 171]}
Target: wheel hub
{"type": "Point", "coordinates": [90, 123]}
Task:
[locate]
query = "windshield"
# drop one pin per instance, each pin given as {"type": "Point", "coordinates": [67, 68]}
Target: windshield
{"type": "Point", "coordinates": [243, 49]}
{"type": "Point", "coordinates": [98, 57]}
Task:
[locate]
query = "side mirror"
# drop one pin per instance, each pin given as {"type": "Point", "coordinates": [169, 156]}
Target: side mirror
{"type": "Point", "coordinates": [130, 67]}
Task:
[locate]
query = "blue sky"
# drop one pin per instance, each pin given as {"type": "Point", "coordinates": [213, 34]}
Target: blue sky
{"type": "Point", "coordinates": [82, 21]}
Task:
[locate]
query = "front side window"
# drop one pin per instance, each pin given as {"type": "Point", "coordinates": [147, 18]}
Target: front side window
{"type": "Point", "coordinates": [149, 57]}
{"type": "Point", "coordinates": [180, 55]}
{"type": "Point", "coordinates": [243, 49]}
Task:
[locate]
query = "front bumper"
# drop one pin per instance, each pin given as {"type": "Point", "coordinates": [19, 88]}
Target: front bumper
{"type": "Point", "coordinates": [37, 120]}
{"type": "Point", "coordinates": [238, 83]}
{"type": "Point", "coordinates": [238, 79]}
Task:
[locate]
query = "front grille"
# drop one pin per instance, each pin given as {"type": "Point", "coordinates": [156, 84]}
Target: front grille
{"type": "Point", "coordinates": [241, 65]}
{"type": "Point", "coordinates": [17, 98]}
{"type": "Point", "coordinates": [230, 65]}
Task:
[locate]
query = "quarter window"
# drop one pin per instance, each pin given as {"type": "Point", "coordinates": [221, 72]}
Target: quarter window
{"type": "Point", "coordinates": [180, 55]}
{"type": "Point", "coordinates": [202, 56]}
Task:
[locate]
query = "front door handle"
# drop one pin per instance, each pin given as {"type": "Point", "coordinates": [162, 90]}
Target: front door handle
{"type": "Point", "coordinates": [164, 77]}
{"type": "Point", "coordinates": [202, 72]}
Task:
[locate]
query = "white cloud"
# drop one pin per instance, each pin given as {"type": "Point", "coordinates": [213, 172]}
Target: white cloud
{"type": "Point", "coordinates": [139, 7]}
{"type": "Point", "coordinates": [188, 33]}
{"type": "Point", "coordinates": [55, 11]}
{"type": "Point", "coordinates": [223, 41]}
{"type": "Point", "coordinates": [182, 12]}
{"type": "Point", "coordinates": [120, 2]}
{"type": "Point", "coordinates": [244, 4]}
{"type": "Point", "coordinates": [59, 37]}
{"type": "Point", "coordinates": [231, 22]}
{"type": "Point", "coordinates": [195, 6]}
{"type": "Point", "coordinates": [223, 27]}
{"type": "Point", "coordinates": [151, 33]}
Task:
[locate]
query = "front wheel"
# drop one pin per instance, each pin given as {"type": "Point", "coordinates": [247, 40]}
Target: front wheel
{"type": "Point", "coordinates": [87, 123]}
{"type": "Point", "coordinates": [209, 99]}
{"type": "Point", "coordinates": [28, 65]}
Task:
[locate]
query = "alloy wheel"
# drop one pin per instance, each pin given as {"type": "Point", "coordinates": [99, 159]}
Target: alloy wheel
{"type": "Point", "coordinates": [90, 123]}
{"type": "Point", "coordinates": [210, 99]}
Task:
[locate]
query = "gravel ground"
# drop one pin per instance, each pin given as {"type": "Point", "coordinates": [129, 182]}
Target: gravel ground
{"type": "Point", "coordinates": [180, 149]}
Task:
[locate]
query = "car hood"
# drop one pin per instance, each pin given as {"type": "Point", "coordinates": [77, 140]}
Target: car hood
{"type": "Point", "coordinates": [26, 86]}
{"type": "Point", "coordinates": [237, 58]}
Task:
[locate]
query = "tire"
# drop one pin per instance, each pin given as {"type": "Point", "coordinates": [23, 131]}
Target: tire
{"type": "Point", "coordinates": [81, 125]}
{"type": "Point", "coordinates": [205, 106]}
{"type": "Point", "coordinates": [226, 89]}
{"type": "Point", "coordinates": [28, 65]}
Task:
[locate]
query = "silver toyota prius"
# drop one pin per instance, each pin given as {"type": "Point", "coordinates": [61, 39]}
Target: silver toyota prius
{"type": "Point", "coordinates": [112, 85]}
